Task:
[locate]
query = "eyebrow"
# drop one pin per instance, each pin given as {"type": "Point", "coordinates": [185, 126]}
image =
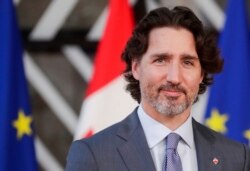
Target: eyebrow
{"type": "Point", "coordinates": [161, 55]}
{"type": "Point", "coordinates": [192, 57]}
{"type": "Point", "coordinates": [185, 56]}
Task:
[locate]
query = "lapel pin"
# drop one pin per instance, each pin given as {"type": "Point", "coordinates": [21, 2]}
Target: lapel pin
{"type": "Point", "coordinates": [215, 161]}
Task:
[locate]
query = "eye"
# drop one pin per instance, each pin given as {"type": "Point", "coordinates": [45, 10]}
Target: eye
{"type": "Point", "coordinates": [160, 61]}
{"type": "Point", "coordinates": [188, 63]}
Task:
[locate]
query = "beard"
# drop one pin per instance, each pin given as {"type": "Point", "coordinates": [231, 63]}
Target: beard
{"type": "Point", "coordinates": [168, 105]}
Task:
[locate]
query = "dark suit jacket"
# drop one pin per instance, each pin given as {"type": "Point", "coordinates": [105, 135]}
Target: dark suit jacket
{"type": "Point", "coordinates": [123, 147]}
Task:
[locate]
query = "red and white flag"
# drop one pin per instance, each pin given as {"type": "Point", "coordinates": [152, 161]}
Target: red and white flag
{"type": "Point", "coordinates": [106, 101]}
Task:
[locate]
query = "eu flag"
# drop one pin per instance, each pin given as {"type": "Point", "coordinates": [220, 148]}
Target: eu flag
{"type": "Point", "coordinates": [16, 134]}
{"type": "Point", "coordinates": [227, 110]}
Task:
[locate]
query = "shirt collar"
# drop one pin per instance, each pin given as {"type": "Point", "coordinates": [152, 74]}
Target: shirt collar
{"type": "Point", "coordinates": [155, 132]}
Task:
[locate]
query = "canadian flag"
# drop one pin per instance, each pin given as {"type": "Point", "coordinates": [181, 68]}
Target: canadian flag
{"type": "Point", "coordinates": [106, 100]}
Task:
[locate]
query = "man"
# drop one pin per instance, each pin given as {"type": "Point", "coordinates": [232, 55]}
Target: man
{"type": "Point", "coordinates": [169, 61]}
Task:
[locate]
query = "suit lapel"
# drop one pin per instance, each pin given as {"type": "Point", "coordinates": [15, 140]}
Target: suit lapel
{"type": "Point", "coordinates": [135, 151]}
{"type": "Point", "coordinates": [209, 157]}
{"type": "Point", "coordinates": [136, 155]}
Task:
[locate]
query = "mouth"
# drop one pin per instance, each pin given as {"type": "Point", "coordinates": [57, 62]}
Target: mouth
{"type": "Point", "coordinates": [172, 93]}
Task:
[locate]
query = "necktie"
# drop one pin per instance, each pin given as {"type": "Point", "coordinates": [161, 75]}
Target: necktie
{"type": "Point", "coordinates": [173, 161]}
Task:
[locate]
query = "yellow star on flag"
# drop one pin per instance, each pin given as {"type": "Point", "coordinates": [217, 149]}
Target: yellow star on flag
{"type": "Point", "coordinates": [217, 121]}
{"type": "Point", "coordinates": [22, 125]}
{"type": "Point", "coordinates": [247, 134]}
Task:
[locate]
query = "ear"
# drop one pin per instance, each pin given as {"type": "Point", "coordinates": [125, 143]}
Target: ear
{"type": "Point", "coordinates": [202, 76]}
{"type": "Point", "coordinates": [136, 69]}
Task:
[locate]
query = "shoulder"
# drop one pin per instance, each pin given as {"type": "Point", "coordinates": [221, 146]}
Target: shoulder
{"type": "Point", "coordinates": [117, 132]}
{"type": "Point", "coordinates": [213, 136]}
{"type": "Point", "coordinates": [93, 151]}
{"type": "Point", "coordinates": [80, 156]}
{"type": "Point", "coordinates": [235, 154]}
{"type": "Point", "coordinates": [218, 140]}
{"type": "Point", "coordinates": [110, 136]}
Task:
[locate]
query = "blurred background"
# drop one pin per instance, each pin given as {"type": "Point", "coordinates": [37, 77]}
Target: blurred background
{"type": "Point", "coordinates": [60, 39]}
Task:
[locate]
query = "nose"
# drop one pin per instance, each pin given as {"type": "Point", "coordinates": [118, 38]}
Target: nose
{"type": "Point", "coordinates": [173, 74]}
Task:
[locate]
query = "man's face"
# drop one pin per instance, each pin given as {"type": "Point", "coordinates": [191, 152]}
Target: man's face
{"type": "Point", "coordinates": [169, 72]}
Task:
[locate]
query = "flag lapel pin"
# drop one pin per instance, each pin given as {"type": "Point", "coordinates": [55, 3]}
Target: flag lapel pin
{"type": "Point", "coordinates": [215, 161]}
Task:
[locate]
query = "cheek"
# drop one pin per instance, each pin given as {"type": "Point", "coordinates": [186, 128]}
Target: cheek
{"type": "Point", "coordinates": [155, 76]}
{"type": "Point", "coordinates": [192, 81]}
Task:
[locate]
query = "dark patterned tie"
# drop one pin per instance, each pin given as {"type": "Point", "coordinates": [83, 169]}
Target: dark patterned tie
{"type": "Point", "coordinates": [173, 161]}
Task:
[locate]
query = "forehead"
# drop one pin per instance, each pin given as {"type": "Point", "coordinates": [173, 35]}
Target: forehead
{"type": "Point", "coordinates": [171, 40]}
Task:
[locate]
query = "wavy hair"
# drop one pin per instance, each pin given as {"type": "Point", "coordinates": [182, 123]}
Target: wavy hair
{"type": "Point", "coordinates": [179, 17]}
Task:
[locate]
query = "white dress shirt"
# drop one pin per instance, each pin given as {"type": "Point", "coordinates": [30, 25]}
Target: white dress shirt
{"type": "Point", "coordinates": [156, 133]}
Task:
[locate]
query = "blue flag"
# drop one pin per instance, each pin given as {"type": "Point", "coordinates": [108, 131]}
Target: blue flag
{"type": "Point", "coordinates": [227, 110]}
{"type": "Point", "coordinates": [16, 134]}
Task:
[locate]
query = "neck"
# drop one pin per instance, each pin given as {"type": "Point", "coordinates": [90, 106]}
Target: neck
{"type": "Point", "coordinates": [171, 122]}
